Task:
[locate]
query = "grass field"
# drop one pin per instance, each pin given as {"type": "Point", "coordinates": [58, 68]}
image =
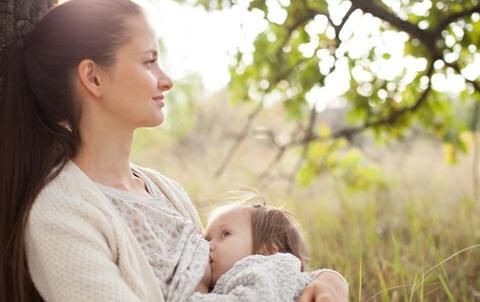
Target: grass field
{"type": "Point", "coordinates": [417, 239]}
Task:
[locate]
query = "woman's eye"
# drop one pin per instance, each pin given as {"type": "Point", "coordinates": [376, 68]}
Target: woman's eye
{"type": "Point", "coordinates": [151, 61]}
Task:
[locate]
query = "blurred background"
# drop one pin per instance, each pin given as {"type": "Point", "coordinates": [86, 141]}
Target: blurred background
{"type": "Point", "coordinates": [360, 117]}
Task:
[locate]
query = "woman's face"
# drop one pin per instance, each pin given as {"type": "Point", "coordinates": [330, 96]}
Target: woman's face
{"type": "Point", "coordinates": [135, 84]}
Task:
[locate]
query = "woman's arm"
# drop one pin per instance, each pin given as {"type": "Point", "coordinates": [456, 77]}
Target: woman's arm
{"type": "Point", "coordinates": [69, 256]}
{"type": "Point", "coordinates": [329, 286]}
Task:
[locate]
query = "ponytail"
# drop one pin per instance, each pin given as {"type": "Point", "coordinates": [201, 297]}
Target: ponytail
{"type": "Point", "coordinates": [26, 145]}
{"type": "Point", "coordinates": [39, 116]}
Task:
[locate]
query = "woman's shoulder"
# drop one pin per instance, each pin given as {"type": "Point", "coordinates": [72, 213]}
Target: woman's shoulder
{"type": "Point", "coordinates": [69, 191]}
{"type": "Point", "coordinates": [69, 181]}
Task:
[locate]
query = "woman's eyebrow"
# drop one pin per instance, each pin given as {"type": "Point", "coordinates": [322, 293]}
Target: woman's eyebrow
{"type": "Point", "coordinates": [152, 51]}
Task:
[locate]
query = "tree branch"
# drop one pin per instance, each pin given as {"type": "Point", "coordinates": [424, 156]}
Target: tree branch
{"type": "Point", "coordinates": [426, 37]}
{"type": "Point", "coordinates": [300, 21]}
{"type": "Point", "coordinates": [381, 12]}
{"type": "Point", "coordinates": [349, 132]}
{"type": "Point", "coordinates": [308, 134]}
{"type": "Point", "coordinates": [239, 139]}
{"type": "Point", "coordinates": [437, 31]}
{"type": "Point", "coordinates": [338, 28]}
{"type": "Point", "coordinates": [281, 151]}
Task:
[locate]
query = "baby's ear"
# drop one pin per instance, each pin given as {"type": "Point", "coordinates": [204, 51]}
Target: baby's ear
{"type": "Point", "coordinates": [269, 249]}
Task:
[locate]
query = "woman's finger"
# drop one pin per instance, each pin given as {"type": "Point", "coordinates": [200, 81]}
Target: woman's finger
{"type": "Point", "coordinates": [324, 298]}
{"type": "Point", "coordinates": [307, 294]}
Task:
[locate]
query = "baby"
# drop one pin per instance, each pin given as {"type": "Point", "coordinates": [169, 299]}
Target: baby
{"type": "Point", "coordinates": [257, 253]}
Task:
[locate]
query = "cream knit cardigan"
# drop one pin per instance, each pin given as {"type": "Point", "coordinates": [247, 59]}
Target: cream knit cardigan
{"type": "Point", "coordinates": [79, 249]}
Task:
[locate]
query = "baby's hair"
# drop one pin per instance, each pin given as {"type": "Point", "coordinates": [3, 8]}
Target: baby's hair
{"type": "Point", "coordinates": [241, 197]}
{"type": "Point", "coordinates": [273, 229]}
{"type": "Point", "coordinates": [276, 230]}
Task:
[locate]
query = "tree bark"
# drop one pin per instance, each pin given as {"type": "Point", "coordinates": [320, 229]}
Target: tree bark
{"type": "Point", "coordinates": [17, 17]}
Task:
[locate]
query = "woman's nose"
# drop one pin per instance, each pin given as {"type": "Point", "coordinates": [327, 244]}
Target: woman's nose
{"type": "Point", "coordinates": [164, 81]}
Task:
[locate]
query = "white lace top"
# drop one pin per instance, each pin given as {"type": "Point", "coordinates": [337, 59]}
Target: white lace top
{"type": "Point", "coordinates": [171, 242]}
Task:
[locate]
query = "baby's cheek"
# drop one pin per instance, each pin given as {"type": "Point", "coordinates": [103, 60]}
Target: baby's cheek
{"type": "Point", "coordinates": [229, 263]}
{"type": "Point", "coordinates": [219, 268]}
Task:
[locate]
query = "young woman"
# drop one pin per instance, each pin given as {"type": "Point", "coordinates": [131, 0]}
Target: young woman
{"type": "Point", "coordinates": [79, 222]}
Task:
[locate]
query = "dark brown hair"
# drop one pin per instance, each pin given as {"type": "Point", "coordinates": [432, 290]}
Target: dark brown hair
{"type": "Point", "coordinates": [40, 112]}
{"type": "Point", "coordinates": [276, 230]}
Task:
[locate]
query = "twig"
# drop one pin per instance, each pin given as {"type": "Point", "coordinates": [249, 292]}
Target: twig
{"type": "Point", "coordinates": [281, 151]}
{"type": "Point", "coordinates": [239, 139]}
{"type": "Point", "coordinates": [300, 21]}
{"type": "Point", "coordinates": [437, 31]}
{"type": "Point", "coordinates": [383, 13]}
{"type": "Point", "coordinates": [338, 28]}
{"type": "Point", "coordinates": [304, 155]}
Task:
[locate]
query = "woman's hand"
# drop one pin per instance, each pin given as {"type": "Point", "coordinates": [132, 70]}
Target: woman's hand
{"type": "Point", "coordinates": [328, 287]}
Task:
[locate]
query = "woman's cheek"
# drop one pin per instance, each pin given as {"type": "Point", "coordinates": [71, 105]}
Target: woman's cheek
{"type": "Point", "coordinates": [149, 79]}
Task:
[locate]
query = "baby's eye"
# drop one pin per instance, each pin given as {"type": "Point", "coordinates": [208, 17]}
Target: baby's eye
{"type": "Point", "coordinates": [225, 234]}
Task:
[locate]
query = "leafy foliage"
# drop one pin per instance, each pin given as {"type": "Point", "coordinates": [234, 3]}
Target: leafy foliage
{"type": "Point", "coordinates": [439, 42]}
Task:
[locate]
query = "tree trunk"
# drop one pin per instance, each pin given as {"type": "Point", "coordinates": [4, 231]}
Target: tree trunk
{"type": "Point", "coordinates": [17, 18]}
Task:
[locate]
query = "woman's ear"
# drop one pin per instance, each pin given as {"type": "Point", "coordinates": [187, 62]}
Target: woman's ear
{"type": "Point", "coordinates": [89, 75]}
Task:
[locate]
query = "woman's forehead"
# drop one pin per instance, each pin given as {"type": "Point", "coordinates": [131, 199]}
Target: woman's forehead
{"type": "Point", "coordinates": [143, 36]}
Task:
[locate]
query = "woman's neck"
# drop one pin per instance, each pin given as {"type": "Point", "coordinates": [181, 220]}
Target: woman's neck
{"type": "Point", "coordinates": [105, 159]}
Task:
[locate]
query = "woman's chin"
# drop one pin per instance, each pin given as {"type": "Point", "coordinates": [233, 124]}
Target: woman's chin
{"type": "Point", "coordinates": [156, 121]}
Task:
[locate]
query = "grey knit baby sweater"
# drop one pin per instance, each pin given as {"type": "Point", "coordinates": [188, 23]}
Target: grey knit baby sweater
{"type": "Point", "coordinates": [260, 278]}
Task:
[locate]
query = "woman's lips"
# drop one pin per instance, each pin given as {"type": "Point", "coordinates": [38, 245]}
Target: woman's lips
{"type": "Point", "coordinates": [159, 100]}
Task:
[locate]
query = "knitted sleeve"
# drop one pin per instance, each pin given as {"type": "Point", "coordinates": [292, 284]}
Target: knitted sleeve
{"type": "Point", "coordinates": [68, 252]}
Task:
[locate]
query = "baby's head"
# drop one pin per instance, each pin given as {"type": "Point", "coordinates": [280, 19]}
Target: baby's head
{"type": "Point", "coordinates": [238, 230]}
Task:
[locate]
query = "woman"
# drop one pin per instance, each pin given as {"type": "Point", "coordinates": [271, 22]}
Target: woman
{"type": "Point", "coordinates": [78, 221]}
